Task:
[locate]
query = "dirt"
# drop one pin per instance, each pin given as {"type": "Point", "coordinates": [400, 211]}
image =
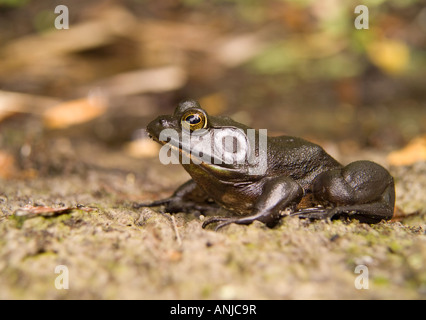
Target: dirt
{"type": "Point", "coordinates": [114, 251]}
{"type": "Point", "coordinates": [294, 75]}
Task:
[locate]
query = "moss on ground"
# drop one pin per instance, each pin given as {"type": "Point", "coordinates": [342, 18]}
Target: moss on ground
{"type": "Point", "coordinates": [116, 251]}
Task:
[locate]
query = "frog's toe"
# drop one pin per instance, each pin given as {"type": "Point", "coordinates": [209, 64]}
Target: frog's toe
{"type": "Point", "coordinates": [214, 220]}
{"type": "Point", "coordinates": [227, 221]}
{"type": "Point", "coordinates": [315, 213]}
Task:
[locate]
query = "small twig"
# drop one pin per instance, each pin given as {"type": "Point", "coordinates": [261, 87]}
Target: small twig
{"type": "Point", "coordinates": [30, 211]}
{"type": "Point", "coordinates": [401, 216]}
{"type": "Point", "coordinates": [178, 239]}
{"type": "Point", "coordinates": [171, 218]}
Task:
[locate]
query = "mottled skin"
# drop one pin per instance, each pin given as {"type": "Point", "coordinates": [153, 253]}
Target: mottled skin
{"type": "Point", "coordinates": [299, 176]}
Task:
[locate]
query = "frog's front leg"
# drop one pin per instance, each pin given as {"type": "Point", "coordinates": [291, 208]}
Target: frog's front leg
{"type": "Point", "coordinates": [277, 194]}
{"type": "Point", "coordinates": [189, 197]}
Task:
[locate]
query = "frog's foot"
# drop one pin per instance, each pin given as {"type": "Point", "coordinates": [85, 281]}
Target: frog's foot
{"type": "Point", "coordinates": [176, 204]}
{"type": "Point", "coordinates": [224, 221]}
{"type": "Point", "coordinates": [367, 212]}
{"type": "Point", "coordinates": [317, 213]}
{"type": "Point", "coordinates": [152, 204]}
{"type": "Point", "coordinates": [269, 219]}
{"type": "Point", "coordinates": [320, 213]}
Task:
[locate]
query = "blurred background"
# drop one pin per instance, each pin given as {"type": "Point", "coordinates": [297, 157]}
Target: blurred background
{"type": "Point", "coordinates": [82, 96]}
{"type": "Point", "coordinates": [75, 157]}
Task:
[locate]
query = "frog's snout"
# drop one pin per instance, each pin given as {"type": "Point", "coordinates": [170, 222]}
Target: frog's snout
{"type": "Point", "coordinates": [155, 127]}
{"type": "Point", "coordinates": [149, 135]}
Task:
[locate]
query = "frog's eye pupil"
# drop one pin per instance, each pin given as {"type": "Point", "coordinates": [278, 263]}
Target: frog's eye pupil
{"type": "Point", "coordinates": [193, 119]}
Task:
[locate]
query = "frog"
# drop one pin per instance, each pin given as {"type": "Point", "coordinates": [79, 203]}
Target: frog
{"type": "Point", "coordinates": [287, 176]}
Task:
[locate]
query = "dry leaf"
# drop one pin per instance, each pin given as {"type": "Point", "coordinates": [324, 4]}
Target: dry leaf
{"type": "Point", "coordinates": [74, 112]}
{"type": "Point", "coordinates": [82, 36]}
{"type": "Point", "coordinates": [415, 151]}
{"type": "Point", "coordinates": [238, 50]}
{"type": "Point", "coordinates": [389, 55]}
{"type": "Point", "coordinates": [142, 148]}
{"type": "Point", "coordinates": [5, 115]}
{"type": "Point", "coordinates": [147, 80]}
{"type": "Point", "coordinates": [174, 255]}
{"type": "Point", "coordinates": [7, 165]}
{"type": "Point", "coordinates": [176, 35]}
{"type": "Point", "coordinates": [30, 211]}
{"type": "Point", "coordinates": [15, 102]}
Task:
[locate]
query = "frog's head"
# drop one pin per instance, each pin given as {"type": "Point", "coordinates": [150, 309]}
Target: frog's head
{"type": "Point", "coordinates": [188, 115]}
{"type": "Point", "coordinates": [217, 144]}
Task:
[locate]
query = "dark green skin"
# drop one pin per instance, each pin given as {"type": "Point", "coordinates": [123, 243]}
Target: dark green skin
{"type": "Point", "coordinates": [298, 173]}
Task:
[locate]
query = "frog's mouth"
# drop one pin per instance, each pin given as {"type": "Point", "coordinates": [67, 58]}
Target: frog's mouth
{"type": "Point", "coordinates": [227, 173]}
{"type": "Point", "coordinates": [210, 165]}
{"type": "Point", "coordinates": [172, 145]}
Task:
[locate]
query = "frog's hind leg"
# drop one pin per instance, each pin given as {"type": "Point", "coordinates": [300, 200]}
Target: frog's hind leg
{"type": "Point", "coordinates": [363, 190]}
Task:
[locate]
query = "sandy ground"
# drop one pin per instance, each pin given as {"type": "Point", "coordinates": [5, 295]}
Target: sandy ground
{"type": "Point", "coordinates": [289, 72]}
{"type": "Point", "coordinates": [112, 251]}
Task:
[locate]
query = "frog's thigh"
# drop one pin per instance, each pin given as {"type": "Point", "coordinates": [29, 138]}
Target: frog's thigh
{"type": "Point", "coordinates": [362, 186]}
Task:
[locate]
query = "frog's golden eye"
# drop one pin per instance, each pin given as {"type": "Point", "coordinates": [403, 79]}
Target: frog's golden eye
{"type": "Point", "coordinates": [194, 120]}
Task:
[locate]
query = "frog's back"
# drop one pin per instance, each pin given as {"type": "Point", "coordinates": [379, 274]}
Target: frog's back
{"type": "Point", "coordinates": [298, 158]}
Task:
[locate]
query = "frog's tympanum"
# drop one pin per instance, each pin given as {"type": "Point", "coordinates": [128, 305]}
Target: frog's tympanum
{"type": "Point", "coordinates": [232, 169]}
